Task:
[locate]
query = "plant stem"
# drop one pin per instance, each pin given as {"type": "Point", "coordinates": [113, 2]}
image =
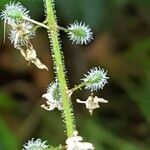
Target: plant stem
{"type": "Point", "coordinates": [36, 22]}
{"type": "Point", "coordinates": [44, 24]}
{"type": "Point", "coordinates": [78, 87]}
{"type": "Point", "coordinates": [58, 62]}
{"type": "Point", "coordinates": [62, 28]}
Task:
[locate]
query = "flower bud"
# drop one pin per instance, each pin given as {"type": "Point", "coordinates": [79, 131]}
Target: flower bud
{"type": "Point", "coordinates": [79, 33]}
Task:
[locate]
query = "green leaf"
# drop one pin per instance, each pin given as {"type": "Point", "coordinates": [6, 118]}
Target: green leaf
{"type": "Point", "coordinates": [8, 141]}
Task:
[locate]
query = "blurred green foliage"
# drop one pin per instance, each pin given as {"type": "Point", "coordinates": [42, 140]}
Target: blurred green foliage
{"type": "Point", "coordinates": [8, 139]}
{"type": "Point", "coordinates": [139, 55]}
{"type": "Point", "coordinates": [125, 122]}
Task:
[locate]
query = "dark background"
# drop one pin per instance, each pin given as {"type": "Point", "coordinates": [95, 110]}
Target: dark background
{"type": "Point", "coordinates": [121, 45]}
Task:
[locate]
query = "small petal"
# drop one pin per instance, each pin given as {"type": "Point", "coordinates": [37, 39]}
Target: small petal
{"type": "Point", "coordinates": [75, 143]}
{"type": "Point", "coordinates": [52, 97]}
{"type": "Point", "coordinates": [92, 103]}
{"type": "Point", "coordinates": [101, 100]}
{"type": "Point", "coordinates": [31, 57]}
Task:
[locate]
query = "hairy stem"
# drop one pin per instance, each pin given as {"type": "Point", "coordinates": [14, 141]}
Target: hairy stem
{"type": "Point", "coordinates": [78, 87]}
{"type": "Point", "coordinates": [39, 24]}
{"type": "Point", "coordinates": [58, 62]}
{"type": "Point", "coordinates": [62, 28]}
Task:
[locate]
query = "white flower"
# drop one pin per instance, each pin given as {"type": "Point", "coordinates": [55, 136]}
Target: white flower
{"type": "Point", "coordinates": [79, 33]}
{"type": "Point", "coordinates": [95, 79]}
{"type": "Point", "coordinates": [92, 103]}
{"type": "Point", "coordinates": [75, 143]}
{"type": "Point", "coordinates": [53, 97]}
{"type": "Point", "coordinates": [35, 145]}
{"type": "Point", "coordinates": [14, 13]}
{"type": "Point", "coordinates": [21, 34]}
